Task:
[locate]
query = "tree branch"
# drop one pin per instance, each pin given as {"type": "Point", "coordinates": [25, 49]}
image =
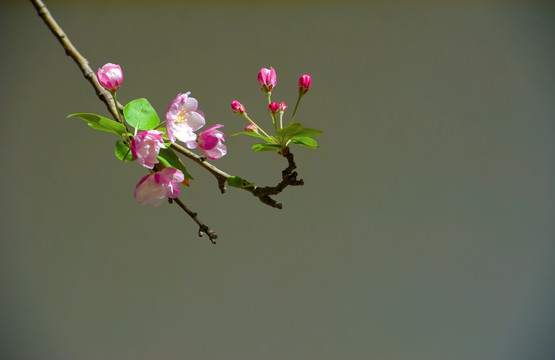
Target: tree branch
{"type": "Point", "coordinates": [289, 177]}
{"type": "Point", "coordinates": [72, 52]}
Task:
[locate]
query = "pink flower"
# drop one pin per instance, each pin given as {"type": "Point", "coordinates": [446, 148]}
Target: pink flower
{"type": "Point", "coordinates": [153, 188]}
{"type": "Point", "coordinates": [304, 83]}
{"type": "Point", "coordinates": [267, 79]}
{"type": "Point", "coordinates": [183, 118]}
{"type": "Point", "coordinates": [282, 106]}
{"type": "Point", "coordinates": [146, 146]}
{"type": "Point", "coordinates": [273, 107]}
{"type": "Point", "coordinates": [110, 76]}
{"type": "Point", "coordinates": [251, 128]}
{"type": "Point", "coordinates": [211, 142]}
{"type": "Point", "coordinates": [237, 107]}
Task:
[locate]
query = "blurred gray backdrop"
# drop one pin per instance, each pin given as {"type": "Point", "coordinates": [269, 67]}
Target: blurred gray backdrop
{"type": "Point", "coordinates": [425, 229]}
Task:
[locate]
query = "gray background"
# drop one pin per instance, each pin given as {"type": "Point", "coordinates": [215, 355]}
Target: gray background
{"type": "Point", "coordinates": [425, 229]}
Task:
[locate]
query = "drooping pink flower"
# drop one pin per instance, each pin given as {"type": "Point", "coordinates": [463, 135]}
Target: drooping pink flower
{"type": "Point", "coordinates": [110, 76]}
{"type": "Point", "coordinates": [282, 106]}
{"type": "Point", "coordinates": [211, 142]}
{"type": "Point", "coordinates": [273, 107]}
{"type": "Point", "coordinates": [183, 118]}
{"type": "Point", "coordinates": [145, 147]}
{"type": "Point", "coordinates": [153, 188]}
{"type": "Point", "coordinates": [267, 79]}
{"type": "Point", "coordinates": [237, 107]}
{"type": "Point", "coordinates": [251, 128]}
{"type": "Point", "coordinates": [305, 81]}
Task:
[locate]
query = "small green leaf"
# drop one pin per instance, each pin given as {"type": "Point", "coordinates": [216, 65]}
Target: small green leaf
{"type": "Point", "coordinates": [101, 123]}
{"type": "Point", "coordinates": [297, 129]}
{"type": "Point", "coordinates": [141, 115]}
{"type": "Point", "coordinates": [304, 141]}
{"type": "Point", "coordinates": [238, 182]}
{"type": "Point", "coordinates": [123, 152]}
{"type": "Point", "coordinates": [170, 159]}
{"type": "Point", "coordinates": [266, 147]}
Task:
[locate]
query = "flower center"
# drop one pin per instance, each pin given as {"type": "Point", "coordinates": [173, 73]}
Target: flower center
{"type": "Point", "coordinates": [181, 117]}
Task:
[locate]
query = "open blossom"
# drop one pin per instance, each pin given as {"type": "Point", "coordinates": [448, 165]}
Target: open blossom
{"type": "Point", "coordinates": [145, 147]}
{"type": "Point", "coordinates": [305, 82]}
{"type": "Point", "coordinates": [183, 118]}
{"type": "Point", "coordinates": [237, 107]}
{"type": "Point", "coordinates": [267, 78]}
{"type": "Point", "coordinates": [154, 188]}
{"type": "Point", "coordinates": [211, 142]}
{"type": "Point", "coordinates": [110, 76]}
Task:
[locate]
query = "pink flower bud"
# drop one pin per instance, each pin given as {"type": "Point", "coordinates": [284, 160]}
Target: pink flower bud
{"type": "Point", "coordinates": [273, 107]}
{"type": "Point", "coordinates": [282, 106]}
{"type": "Point", "coordinates": [110, 76]}
{"type": "Point", "coordinates": [237, 107]}
{"type": "Point", "coordinates": [145, 147]}
{"type": "Point", "coordinates": [153, 188]}
{"type": "Point", "coordinates": [211, 142]}
{"type": "Point", "coordinates": [251, 128]}
{"type": "Point", "coordinates": [267, 79]}
{"type": "Point", "coordinates": [304, 83]}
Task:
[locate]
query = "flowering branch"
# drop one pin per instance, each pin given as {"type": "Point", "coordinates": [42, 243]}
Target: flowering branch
{"type": "Point", "coordinates": [155, 147]}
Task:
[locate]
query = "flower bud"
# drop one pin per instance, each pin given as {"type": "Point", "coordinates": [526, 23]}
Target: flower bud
{"type": "Point", "coordinates": [237, 107]}
{"type": "Point", "coordinates": [304, 83]}
{"type": "Point", "coordinates": [110, 77]}
{"type": "Point", "coordinates": [273, 107]}
{"type": "Point", "coordinates": [282, 106]}
{"type": "Point", "coordinates": [251, 128]}
{"type": "Point", "coordinates": [267, 79]}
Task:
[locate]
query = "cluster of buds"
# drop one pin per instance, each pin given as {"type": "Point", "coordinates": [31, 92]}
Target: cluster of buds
{"type": "Point", "coordinates": [183, 118]}
{"type": "Point", "coordinates": [267, 79]}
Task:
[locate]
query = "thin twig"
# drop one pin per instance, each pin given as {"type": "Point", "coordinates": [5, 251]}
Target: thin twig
{"type": "Point", "coordinates": [72, 52]}
{"type": "Point", "coordinates": [203, 229]}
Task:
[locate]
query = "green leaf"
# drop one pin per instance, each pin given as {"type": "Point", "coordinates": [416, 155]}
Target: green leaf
{"type": "Point", "coordinates": [297, 129]}
{"type": "Point", "coordinates": [123, 152]}
{"type": "Point", "coordinates": [141, 115]}
{"type": "Point", "coordinates": [101, 123]}
{"type": "Point", "coordinates": [238, 182]}
{"type": "Point", "coordinates": [266, 147]}
{"type": "Point", "coordinates": [170, 159]}
{"type": "Point", "coordinates": [304, 141]}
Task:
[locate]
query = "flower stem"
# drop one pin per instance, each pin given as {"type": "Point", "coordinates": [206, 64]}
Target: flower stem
{"type": "Point", "coordinates": [120, 115]}
{"type": "Point", "coordinates": [259, 128]}
{"type": "Point", "coordinates": [296, 106]}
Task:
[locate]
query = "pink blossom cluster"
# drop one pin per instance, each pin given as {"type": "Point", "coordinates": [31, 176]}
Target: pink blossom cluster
{"type": "Point", "coordinates": [183, 118]}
